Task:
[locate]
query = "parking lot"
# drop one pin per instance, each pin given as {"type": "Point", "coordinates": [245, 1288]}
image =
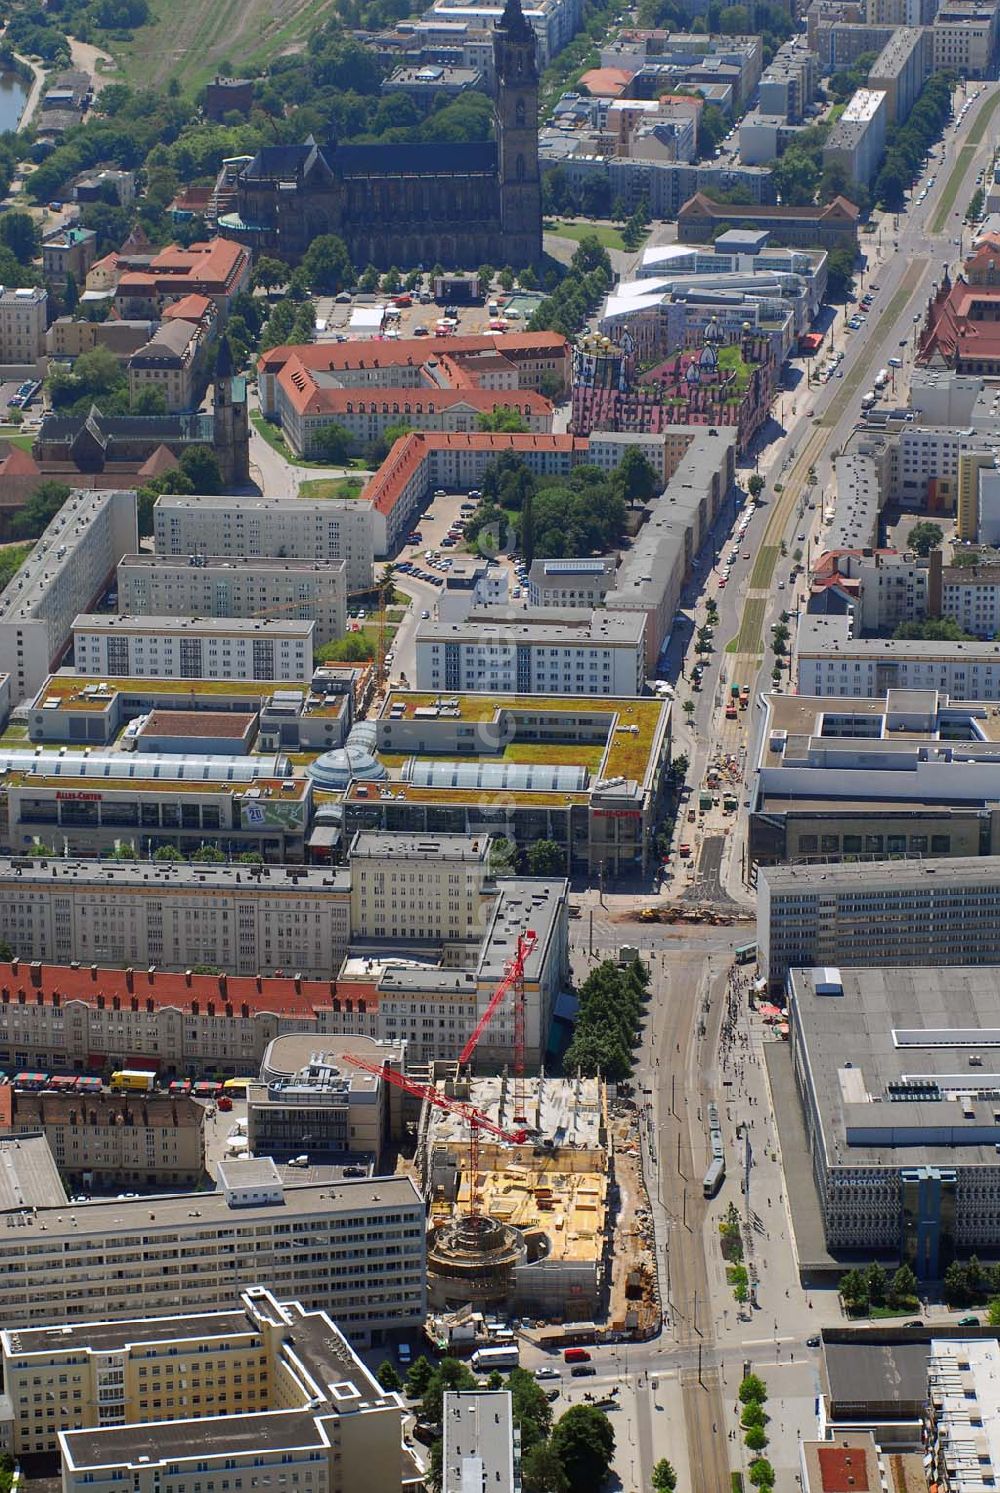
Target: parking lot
{"type": "Point", "coordinates": [423, 319]}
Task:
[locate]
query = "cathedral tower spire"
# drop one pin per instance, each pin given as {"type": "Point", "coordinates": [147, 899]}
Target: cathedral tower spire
{"type": "Point", "coordinates": [516, 115]}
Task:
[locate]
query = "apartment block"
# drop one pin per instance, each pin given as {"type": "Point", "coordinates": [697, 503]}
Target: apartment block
{"type": "Point", "coordinates": [261, 528]}
{"type": "Point", "coordinates": [181, 647]}
{"type": "Point", "coordinates": [23, 322]}
{"type": "Point", "coordinates": [970, 596]}
{"type": "Point", "coordinates": [107, 1140]}
{"type": "Point", "coordinates": [831, 661]}
{"type": "Point", "coordinates": [77, 1014]}
{"type": "Point", "coordinates": [878, 915]}
{"type": "Point", "coordinates": [901, 69]}
{"type": "Point", "coordinates": [204, 1400]}
{"type": "Point", "coordinates": [965, 36]}
{"type": "Point", "coordinates": [653, 571]}
{"type": "Point", "coordinates": [403, 885]}
{"type": "Point", "coordinates": [211, 586]}
{"type": "Point", "coordinates": [857, 140]}
{"type": "Point", "coordinates": [971, 464]}
{"type": "Point", "coordinates": [364, 1263]}
{"type": "Point", "coordinates": [961, 1437]}
{"type": "Point", "coordinates": [64, 574]}
{"type": "Point", "coordinates": [550, 651]}
{"type": "Point", "coordinates": [892, 588]}
{"type": "Point", "coordinates": [175, 916]}
{"type": "Point", "coordinates": [482, 1445]}
{"type": "Point", "coordinates": [788, 83]}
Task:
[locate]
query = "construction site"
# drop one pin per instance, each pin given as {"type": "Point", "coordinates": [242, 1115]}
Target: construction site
{"type": "Point", "coordinates": [534, 1240]}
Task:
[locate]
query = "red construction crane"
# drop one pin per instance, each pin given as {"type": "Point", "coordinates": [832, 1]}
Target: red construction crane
{"type": "Point", "coordinates": [474, 1118]}
{"type": "Point", "coordinates": [513, 978]}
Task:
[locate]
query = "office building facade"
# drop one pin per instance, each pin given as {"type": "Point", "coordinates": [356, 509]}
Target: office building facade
{"type": "Point", "coordinates": [364, 1261]}
{"type": "Point", "coordinates": [878, 914]}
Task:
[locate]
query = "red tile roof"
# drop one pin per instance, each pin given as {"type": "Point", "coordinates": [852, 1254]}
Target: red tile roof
{"type": "Point", "coordinates": [838, 209]}
{"type": "Point", "coordinates": [275, 995]}
{"type": "Point", "coordinates": [214, 267]}
{"type": "Point", "coordinates": [956, 328]}
{"type": "Point", "coordinates": [19, 463]}
{"type": "Point", "coordinates": [310, 398]}
{"type": "Point", "coordinates": [606, 81]}
{"type": "Point", "coordinates": [843, 1469]}
{"type": "Point", "coordinates": [411, 451]}
{"type": "Point", "coordinates": [410, 352]}
{"type": "Point", "coordinates": [188, 308]}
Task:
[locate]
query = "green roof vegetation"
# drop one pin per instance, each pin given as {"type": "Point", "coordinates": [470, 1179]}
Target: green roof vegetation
{"type": "Point", "coordinates": [332, 487]}
{"type": "Point", "coordinates": [731, 359]}
{"type": "Point", "coordinates": [627, 753]}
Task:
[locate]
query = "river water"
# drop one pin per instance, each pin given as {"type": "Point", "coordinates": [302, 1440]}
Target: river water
{"type": "Point", "coordinates": [13, 95]}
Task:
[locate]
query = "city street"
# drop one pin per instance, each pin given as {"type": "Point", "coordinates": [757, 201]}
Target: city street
{"type": "Point", "coordinates": [701, 1043]}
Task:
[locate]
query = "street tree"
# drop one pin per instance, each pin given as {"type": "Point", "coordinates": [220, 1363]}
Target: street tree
{"type": "Point", "coordinates": [584, 1441]}
{"type": "Point", "coordinates": [664, 1478]}
{"type": "Point", "coordinates": [753, 1388]}
{"type": "Point", "coordinates": [545, 858]}
{"type": "Point", "coordinates": [388, 1375]}
{"type": "Point", "coordinates": [542, 1471]}
{"type": "Point", "coordinates": [924, 537]}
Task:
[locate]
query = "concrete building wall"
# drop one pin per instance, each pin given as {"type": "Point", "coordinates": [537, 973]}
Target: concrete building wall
{"type": "Point", "coordinates": [65, 574]}
{"type": "Point", "coordinates": [167, 647]}
{"type": "Point", "coordinates": [262, 528]}
{"type": "Point", "coordinates": [206, 586]}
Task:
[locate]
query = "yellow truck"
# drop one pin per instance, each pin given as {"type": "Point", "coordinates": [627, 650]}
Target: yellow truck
{"type": "Point", "coordinates": [133, 1081]}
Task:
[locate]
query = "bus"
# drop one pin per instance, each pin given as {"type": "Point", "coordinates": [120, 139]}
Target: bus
{"type": "Point", "coordinates": [485, 1360]}
{"type": "Point", "coordinates": [237, 1087]}
{"type": "Point", "coordinates": [746, 953]}
{"type": "Point", "coordinates": [714, 1177]}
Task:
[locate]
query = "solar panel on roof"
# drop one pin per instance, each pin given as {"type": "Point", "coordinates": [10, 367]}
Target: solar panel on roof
{"type": "Point", "coordinates": [574, 567]}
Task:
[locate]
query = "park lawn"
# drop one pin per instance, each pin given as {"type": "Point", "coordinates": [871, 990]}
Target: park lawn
{"type": "Point", "coordinates": [271, 433]}
{"type": "Point", "coordinates": [192, 41]}
{"type": "Point", "coordinates": [15, 436]}
{"type": "Point", "coordinates": [337, 652]}
{"type": "Point", "coordinates": [608, 237]}
{"type": "Point", "coordinates": [332, 487]}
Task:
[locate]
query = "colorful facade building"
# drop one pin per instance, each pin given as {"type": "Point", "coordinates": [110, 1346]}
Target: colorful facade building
{"type": "Point", "coordinates": [727, 381]}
